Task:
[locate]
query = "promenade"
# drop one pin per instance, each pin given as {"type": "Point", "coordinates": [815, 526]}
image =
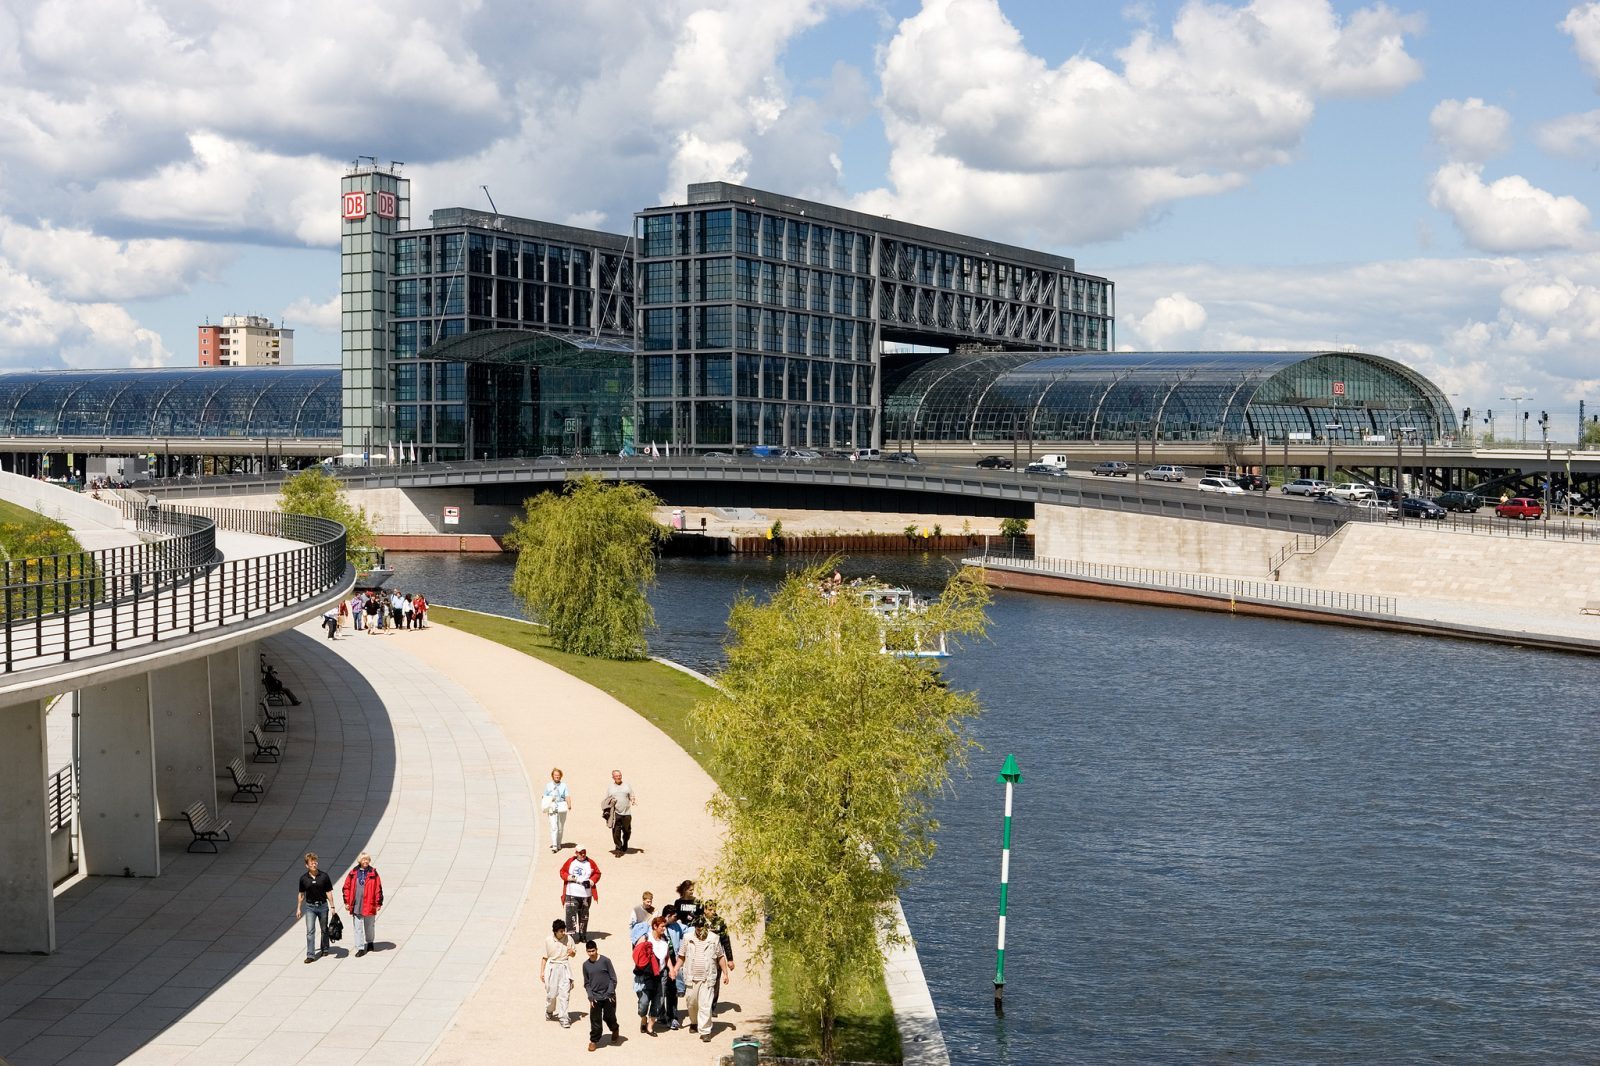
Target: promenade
{"type": "Point", "coordinates": [420, 747]}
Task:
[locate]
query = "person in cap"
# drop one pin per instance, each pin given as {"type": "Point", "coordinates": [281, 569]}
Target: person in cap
{"type": "Point", "coordinates": [701, 962]}
{"type": "Point", "coordinates": [580, 886]}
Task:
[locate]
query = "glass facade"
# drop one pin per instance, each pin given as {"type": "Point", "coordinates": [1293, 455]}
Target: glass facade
{"type": "Point", "coordinates": [216, 403]}
{"type": "Point", "coordinates": [376, 204]}
{"type": "Point", "coordinates": [763, 319]}
{"type": "Point", "coordinates": [1195, 396]}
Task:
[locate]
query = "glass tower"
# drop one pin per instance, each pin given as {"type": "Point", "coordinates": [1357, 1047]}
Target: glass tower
{"type": "Point", "coordinates": [376, 202]}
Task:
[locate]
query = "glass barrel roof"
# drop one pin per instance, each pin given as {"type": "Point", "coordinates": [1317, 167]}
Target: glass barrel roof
{"type": "Point", "coordinates": [212, 402]}
{"type": "Point", "coordinates": [1180, 395]}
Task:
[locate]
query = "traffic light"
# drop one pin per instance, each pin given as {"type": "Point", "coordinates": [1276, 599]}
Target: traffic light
{"type": "Point", "coordinates": [1466, 416]}
{"type": "Point", "coordinates": [1488, 416]}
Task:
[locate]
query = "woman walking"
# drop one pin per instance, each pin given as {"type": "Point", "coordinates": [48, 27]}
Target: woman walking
{"type": "Point", "coordinates": [653, 967]}
{"type": "Point", "coordinates": [363, 898]}
{"type": "Point", "coordinates": [555, 803]}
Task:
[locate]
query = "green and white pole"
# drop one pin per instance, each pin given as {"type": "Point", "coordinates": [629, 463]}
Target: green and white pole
{"type": "Point", "coordinates": [1011, 776]}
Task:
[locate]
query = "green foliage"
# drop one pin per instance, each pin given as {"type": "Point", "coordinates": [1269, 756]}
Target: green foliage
{"type": "Point", "coordinates": [911, 532]}
{"type": "Point", "coordinates": [44, 554]}
{"type": "Point", "coordinates": [938, 530]}
{"type": "Point", "coordinates": [1591, 434]}
{"type": "Point", "coordinates": [317, 493]}
{"type": "Point", "coordinates": [829, 753]}
{"type": "Point", "coordinates": [1013, 527]}
{"type": "Point", "coordinates": [585, 559]}
{"type": "Point", "coordinates": [776, 531]}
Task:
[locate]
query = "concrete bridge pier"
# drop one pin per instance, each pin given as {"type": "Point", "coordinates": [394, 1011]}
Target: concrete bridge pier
{"type": "Point", "coordinates": [27, 904]}
{"type": "Point", "coordinates": [117, 784]}
{"type": "Point", "coordinates": [181, 711]}
{"type": "Point", "coordinates": [225, 673]}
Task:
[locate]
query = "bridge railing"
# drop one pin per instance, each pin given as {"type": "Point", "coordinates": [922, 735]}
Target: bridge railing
{"type": "Point", "coordinates": [1211, 585]}
{"type": "Point", "coordinates": [67, 607]}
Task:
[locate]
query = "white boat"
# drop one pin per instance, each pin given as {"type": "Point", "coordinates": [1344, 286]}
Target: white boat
{"type": "Point", "coordinates": [371, 572]}
{"type": "Point", "coordinates": [899, 608]}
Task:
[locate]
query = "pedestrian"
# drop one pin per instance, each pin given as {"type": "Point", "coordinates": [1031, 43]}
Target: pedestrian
{"type": "Point", "coordinates": [619, 802]}
{"type": "Point", "coordinates": [374, 614]}
{"type": "Point", "coordinates": [580, 886]}
{"type": "Point", "coordinates": [556, 973]}
{"type": "Point", "coordinates": [358, 610]}
{"type": "Point", "coordinates": [672, 990]}
{"type": "Point", "coordinates": [644, 910]}
{"type": "Point", "coordinates": [422, 611]}
{"type": "Point", "coordinates": [395, 611]}
{"type": "Point", "coordinates": [554, 803]}
{"type": "Point", "coordinates": [407, 613]}
{"type": "Point", "coordinates": [652, 967]}
{"type": "Point", "coordinates": [719, 929]}
{"type": "Point", "coordinates": [344, 613]}
{"type": "Point", "coordinates": [600, 985]}
{"type": "Point", "coordinates": [701, 963]}
{"type": "Point", "coordinates": [688, 906]}
{"type": "Point", "coordinates": [363, 899]}
{"type": "Point", "coordinates": [330, 622]}
{"type": "Point", "coordinates": [313, 904]}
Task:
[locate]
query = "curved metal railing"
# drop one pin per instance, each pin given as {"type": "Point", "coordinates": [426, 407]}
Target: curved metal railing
{"type": "Point", "coordinates": [63, 608]}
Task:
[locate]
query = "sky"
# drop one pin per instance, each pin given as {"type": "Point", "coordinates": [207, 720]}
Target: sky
{"type": "Point", "coordinates": [1414, 180]}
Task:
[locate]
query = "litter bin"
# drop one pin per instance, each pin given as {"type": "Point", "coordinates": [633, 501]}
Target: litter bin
{"type": "Point", "coordinates": [746, 1052]}
{"type": "Point", "coordinates": [677, 518]}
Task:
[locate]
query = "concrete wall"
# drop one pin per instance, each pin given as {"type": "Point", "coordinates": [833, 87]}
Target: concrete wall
{"type": "Point", "coordinates": [70, 508]}
{"type": "Point", "coordinates": [398, 510]}
{"type": "Point", "coordinates": [1091, 535]}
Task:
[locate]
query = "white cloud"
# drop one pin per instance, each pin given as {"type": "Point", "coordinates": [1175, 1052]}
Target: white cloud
{"type": "Point", "coordinates": [307, 313]}
{"type": "Point", "coordinates": [1169, 319]}
{"type": "Point", "coordinates": [1470, 130]}
{"type": "Point", "coordinates": [82, 266]}
{"type": "Point", "coordinates": [1508, 215]}
{"type": "Point", "coordinates": [1582, 24]}
{"type": "Point", "coordinates": [973, 116]}
{"type": "Point", "coordinates": [40, 330]}
{"type": "Point", "coordinates": [1575, 136]}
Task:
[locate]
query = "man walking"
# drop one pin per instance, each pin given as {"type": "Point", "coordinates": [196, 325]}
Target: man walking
{"type": "Point", "coordinates": [620, 800]}
{"type": "Point", "coordinates": [556, 972]}
{"type": "Point", "coordinates": [600, 985]}
{"type": "Point", "coordinates": [580, 885]}
{"type": "Point", "coordinates": [701, 960]}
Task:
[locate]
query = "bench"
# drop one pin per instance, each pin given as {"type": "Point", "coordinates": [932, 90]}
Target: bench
{"type": "Point", "coordinates": [206, 829]}
{"type": "Point", "coordinates": [247, 786]}
{"type": "Point", "coordinates": [277, 721]}
{"type": "Point", "coordinates": [268, 752]}
{"type": "Point", "coordinates": [1592, 607]}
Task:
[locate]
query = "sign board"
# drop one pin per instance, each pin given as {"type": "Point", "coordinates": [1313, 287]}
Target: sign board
{"type": "Point", "coordinates": [1338, 388]}
{"type": "Point", "coordinates": [1299, 436]}
{"type": "Point", "coordinates": [1375, 438]}
{"type": "Point", "coordinates": [452, 516]}
{"type": "Point", "coordinates": [355, 206]}
{"type": "Point", "coordinates": [386, 205]}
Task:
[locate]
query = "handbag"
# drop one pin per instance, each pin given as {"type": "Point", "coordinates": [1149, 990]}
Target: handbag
{"type": "Point", "coordinates": [546, 804]}
{"type": "Point", "coordinates": [335, 926]}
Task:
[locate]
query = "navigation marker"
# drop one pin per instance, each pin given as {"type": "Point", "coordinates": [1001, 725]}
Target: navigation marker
{"type": "Point", "coordinates": [1012, 776]}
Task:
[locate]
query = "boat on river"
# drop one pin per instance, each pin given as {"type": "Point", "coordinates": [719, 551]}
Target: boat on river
{"type": "Point", "coordinates": [899, 609]}
{"type": "Point", "coordinates": [371, 570]}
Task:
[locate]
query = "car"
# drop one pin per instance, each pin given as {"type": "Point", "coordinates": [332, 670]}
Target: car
{"type": "Point", "coordinates": [1375, 507]}
{"type": "Point", "coordinates": [1459, 501]}
{"type": "Point", "coordinates": [1223, 485]}
{"type": "Point", "coordinates": [718, 457]}
{"type": "Point", "coordinates": [549, 460]}
{"type": "Point", "coordinates": [1165, 472]}
{"type": "Point", "coordinates": [804, 455]}
{"type": "Point", "coordinates": [1417, 507]}
{"type": "Point", "coordinates": [1111, 468]}
{"type": "Point", "coordinates": [1306, 486]}
{"type": "Point", "coordinates": [1252, 482]}
{"type": "Point", "coordinates": [1351, 490]}
{"type": "Point", "coordinates": [1333, 501]}
{"type": "Point", "coordinates": [1047, 469]}
{"type": "Point", "coordinates": [1388, 494]}
{"type": "Point", "coordinates": [1523, 507]}
{"type": "Point", "coordinates": [901, 457]}
{"type": "Point", "coordinates": [994, 462]}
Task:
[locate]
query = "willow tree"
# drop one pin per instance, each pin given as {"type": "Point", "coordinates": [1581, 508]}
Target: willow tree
{"type": "Point", "coordinates": [828, 751]}
{"type": "Point", "coordinates": [586, 557]}
{"type": "Point", "coordinates": [317, 493]}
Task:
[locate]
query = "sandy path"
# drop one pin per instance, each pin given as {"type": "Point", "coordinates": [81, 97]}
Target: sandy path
{"type": "Point", "coordinates": [553, 719]}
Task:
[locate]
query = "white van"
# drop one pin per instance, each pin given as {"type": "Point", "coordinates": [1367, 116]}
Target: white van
{"type": "Point", "coordinates": [1053, 460]}
{"type": "Point", "coordinates": [868, 455]}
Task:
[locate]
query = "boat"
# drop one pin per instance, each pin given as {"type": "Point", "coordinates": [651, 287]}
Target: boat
{"type": "Point", "coordinates": [371, 571]}
{"type": "Point", "coordinates": [898, 608]}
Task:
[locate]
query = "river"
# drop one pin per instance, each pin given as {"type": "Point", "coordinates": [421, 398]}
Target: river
{"type": "Point", "coordinates": [1236, 839]}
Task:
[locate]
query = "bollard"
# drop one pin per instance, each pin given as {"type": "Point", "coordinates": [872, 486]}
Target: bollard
{"type": "Point", "coordinates": [746, 1052]}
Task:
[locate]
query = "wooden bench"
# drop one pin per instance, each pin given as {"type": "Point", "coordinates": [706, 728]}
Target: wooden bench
{"type": "Point", "coordinates": [268, 752]}
{"type": "Point", "coordinates": [274, 720]}
{"type": "Point", "coordinates": [247, 786]}
{"type": "Point", "coordinates": [206, 829]}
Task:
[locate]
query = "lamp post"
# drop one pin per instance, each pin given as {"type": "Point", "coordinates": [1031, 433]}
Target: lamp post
{"type": "Point", "coordinates": [1516, 416]}
{"type": "Point", "coordinates": [1327, 433]}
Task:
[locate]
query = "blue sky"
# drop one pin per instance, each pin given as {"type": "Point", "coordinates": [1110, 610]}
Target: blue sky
{"type": "Point", "coordinates": [1411, 179]}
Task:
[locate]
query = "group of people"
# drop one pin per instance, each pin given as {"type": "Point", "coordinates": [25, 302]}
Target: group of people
{"type": "Point", "coordinates": [680, 956]}
{"type": "Point", "coordinates": [363, 899]}
{"type": "Point", "coordinates": [375, 611]}
{"type": "Point", "coordinates": [616, 807]}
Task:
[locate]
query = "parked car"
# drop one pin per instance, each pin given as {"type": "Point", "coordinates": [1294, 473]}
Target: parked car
{"type": "Point", "coordinates": [1111, 468]}
{"type": "Point", "coordinates": [1375, 507]}
{"type": "Point", "coordinates": [1388, 494]}
{"type": "Point", "coordinates": [1252, 482]}
{"type": "Point", "coordinates": [1519, 507]}
{"type": "Point", "coordinates": [1223, 485]}
{"type": "Point", "coordinates": [1417, 507]}
{"type": "Point", "coordinates": [718, 457]}
{"type": "Point", "coordinates": [804, 455]}
{"type": "Point", "coordinates": [1459, 501]}
{"type": "Point", "coordinates": [994, 462]}
{"type": "Point", "coordinates": [1351, 490]}
{"type": "Point", "coordinates": [1165, 472]}
{"type": "Point", "coordinates": [1306, 486]}
{"type": "Point", "coordinates": [901, 457]}
{"type": "Point", "coordinates": [1047, 469]}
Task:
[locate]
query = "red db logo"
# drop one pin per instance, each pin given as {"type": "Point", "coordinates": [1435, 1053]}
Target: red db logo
{"type": "Point", "coordinates": [355, 205]}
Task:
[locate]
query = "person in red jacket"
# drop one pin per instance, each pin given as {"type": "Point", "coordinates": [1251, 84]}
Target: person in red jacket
{"type": "Point", "coordinates": [580, 886]}
{"type": "Point", "coordinates": [363, 898]}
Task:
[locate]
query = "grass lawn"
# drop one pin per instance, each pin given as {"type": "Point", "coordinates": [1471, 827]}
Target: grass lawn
{"type": "Point", "coordinates": [866, 1030]}
{"type": "Point", "coordinates": [27, 534]}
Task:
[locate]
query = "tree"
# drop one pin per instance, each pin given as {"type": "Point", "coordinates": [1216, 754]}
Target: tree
{"type": "Point", "coordinates": [317, 493]}
{"type": "Point", "coordinates": [828, 752]}
{"type": "Point", "coordinates": [1591, 434]}
{"type": "Point", "coordinates": [586, 558]}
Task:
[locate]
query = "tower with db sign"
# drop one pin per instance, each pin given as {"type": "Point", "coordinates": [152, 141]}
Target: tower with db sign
{"type": "Point", "coordinates": [376, 203]}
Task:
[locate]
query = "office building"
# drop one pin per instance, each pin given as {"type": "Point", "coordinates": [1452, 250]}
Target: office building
{"type": "Point", "coordinates": [245, 340]}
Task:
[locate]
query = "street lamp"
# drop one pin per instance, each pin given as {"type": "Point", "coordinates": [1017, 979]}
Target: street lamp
{"type": "Point", "coordinates": [1327, 434]}
{"type": "Point", "coordinates": [1516, 415]}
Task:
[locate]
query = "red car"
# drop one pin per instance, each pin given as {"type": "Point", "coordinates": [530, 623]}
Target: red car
{"type": "Point", "coordinates": [1519, 507]}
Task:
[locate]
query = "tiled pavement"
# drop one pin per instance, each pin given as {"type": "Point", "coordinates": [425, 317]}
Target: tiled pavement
{"type": "Point", "coordinates": [204, 964]}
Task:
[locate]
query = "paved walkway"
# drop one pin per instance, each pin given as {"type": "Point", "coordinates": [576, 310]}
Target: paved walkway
{"type": "Point", "coordinates": [389, 753]}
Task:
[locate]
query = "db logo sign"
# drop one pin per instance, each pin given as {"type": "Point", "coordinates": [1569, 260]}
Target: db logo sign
{"type": "Point", "coordinates": [355, 205]}
{"type": "Point", "coordinates": [1338, 388]}
{"type": "Point", "coordinates": [386, 205]}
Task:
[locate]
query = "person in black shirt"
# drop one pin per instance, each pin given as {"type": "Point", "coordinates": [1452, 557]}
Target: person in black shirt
{"type": "Point", "coordinates": [313, 903]}
{"type": "Point", "coordinates": [600, 985]}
